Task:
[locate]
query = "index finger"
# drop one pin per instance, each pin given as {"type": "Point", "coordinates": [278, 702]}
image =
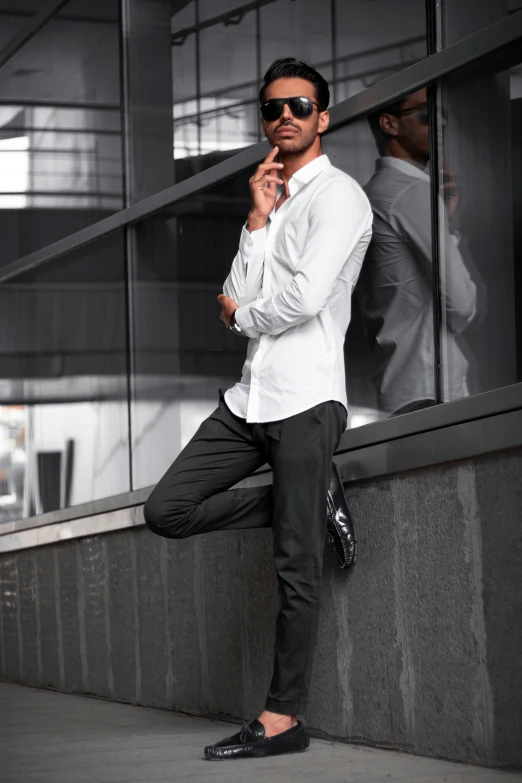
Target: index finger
{"type": "Point", "coordinates": [272, 154]}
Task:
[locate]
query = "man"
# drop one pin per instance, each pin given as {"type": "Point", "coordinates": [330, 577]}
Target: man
{"type": "Point", "coordinates": [289, 292]}
{"type": "Point", "coordinates": [395, 289]}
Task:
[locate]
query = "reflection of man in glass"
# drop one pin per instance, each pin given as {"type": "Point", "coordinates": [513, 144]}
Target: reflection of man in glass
{"type": "Point", "coordinates": [395, 289]}
{"type": "Point", "coordinates": [289, 290]}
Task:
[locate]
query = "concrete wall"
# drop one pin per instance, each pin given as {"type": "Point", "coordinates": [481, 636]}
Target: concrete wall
{"type": "Point", "coordinates": [419, 646]}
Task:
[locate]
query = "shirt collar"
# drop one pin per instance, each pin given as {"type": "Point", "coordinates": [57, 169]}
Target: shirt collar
{"type": "Point", "coordinates": [406, 166]}
{"type": "Point", "coordinates": [306, 173]}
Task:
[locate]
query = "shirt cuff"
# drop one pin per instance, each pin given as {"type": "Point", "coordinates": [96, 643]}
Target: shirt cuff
{"type": "Point", "coordinates": [252, 243]}
{"type": "Point", "coordinates": [244, 320]}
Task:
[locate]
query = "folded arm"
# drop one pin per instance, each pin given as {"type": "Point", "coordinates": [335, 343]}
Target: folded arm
{"type": "Point", "coordinates": [245, 279]}
{"type": "Point", "coordinates": [339, 215]}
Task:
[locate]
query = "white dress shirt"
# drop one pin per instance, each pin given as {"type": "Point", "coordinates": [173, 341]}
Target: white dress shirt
{"type": "Point", "coordinates": [293, 281]}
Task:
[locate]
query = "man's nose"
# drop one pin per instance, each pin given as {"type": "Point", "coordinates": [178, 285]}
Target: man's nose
{"type": "Point", "coordinates": [286, 113]}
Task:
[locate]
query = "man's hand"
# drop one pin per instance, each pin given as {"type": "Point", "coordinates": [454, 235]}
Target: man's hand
{"type": "Point", "coordinates": [263, 190]}
{"type": "Point", "coordinates": [228, 308]}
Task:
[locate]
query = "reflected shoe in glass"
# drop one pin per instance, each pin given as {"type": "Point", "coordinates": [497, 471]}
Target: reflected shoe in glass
{"type": "Point", "coordinates": [251, 743]}
{"type": "Point", "coordinates": [339, 526]}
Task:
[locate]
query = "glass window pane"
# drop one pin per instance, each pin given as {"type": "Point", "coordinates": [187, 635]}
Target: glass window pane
{"type": "Point", "coordinates": [215, 105]}
{"type": "Point", "coordinates": [389, 349]}
{"type": "Point", "coordinates": [60, 130]}
{"type": "Point", "coordinates": [480, 235]}
{"type": "Point", "coordinates": [459, 18]}
{"type": "Point", "coordinates": [14, 17]}
{"type": "Point", "coordinates": [376, 39]}
{"type": "Point", "coordinates": [302, 30]}
{"type": "Point", "coordinates": [149, 60]}
{"type": "Point", "coordinates": [63, 382]}
{"type": "Point", "coordinates": [184, 91]}
{"type": "Point", "coordinates": [182, 351]}
{"type": "Point", "coordinates": [215, 96]}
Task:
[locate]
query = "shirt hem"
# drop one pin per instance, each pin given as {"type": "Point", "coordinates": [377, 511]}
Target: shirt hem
{"type": "Point", "coordinates": [293, 412]}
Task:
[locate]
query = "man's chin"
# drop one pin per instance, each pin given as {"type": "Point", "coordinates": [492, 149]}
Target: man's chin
{"type": "Point", "coordinates": [289, 146]}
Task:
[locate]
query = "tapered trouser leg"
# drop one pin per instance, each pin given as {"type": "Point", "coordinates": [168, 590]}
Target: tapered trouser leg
{"type": "Point", "coordinates": [301, 452]}
{"type": "Point", "coordinates": [193, 497]}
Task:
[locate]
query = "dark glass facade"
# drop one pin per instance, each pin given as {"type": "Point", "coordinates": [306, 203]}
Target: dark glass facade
{"type": "Point", "coordinates": [459, 18]}
{"type": "Point", "coordinates": [111, 350]}
{"type": "Point", "coordinates": [480, 171]}
{"type": "Point", "coordinates": [60, 125]}
{"type": "Point", "coordinates": [221, 52]}
{"type": "Point", "coordinates": [63, 380]}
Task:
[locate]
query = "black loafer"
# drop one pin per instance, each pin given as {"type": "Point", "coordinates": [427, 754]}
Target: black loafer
{"type": "Point", "coordinates": [251, 743]}
{"type": "Point", "coordinates": [339, 525]}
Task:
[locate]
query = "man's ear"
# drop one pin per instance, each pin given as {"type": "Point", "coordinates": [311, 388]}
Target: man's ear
{"type": "Point", "coordinates": [389, 124]}
{"type": "Point", "coordinates": [324, 121]}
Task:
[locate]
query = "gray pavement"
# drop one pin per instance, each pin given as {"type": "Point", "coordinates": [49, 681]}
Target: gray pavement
{"type": "Point", "coordinates": [49, 737]}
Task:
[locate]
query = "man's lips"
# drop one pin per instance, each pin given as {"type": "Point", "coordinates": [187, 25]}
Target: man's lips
{"type": "Point", "coordinates": [286, 131]}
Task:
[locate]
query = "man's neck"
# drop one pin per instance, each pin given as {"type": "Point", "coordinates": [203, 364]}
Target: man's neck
{"type": "Point", "coordinates": [402, 154]}
{"type": "Point", "coordinates": [293, 163]}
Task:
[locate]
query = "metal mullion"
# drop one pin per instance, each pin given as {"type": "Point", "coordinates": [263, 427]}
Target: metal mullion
{"type": "Point", "coordinates": [494, 38]}
{"type": "Point", "coordinates": [29, 31]}
{"type": "Point", "coordinates": [259, 73]}
{"type": "Point", "coordinates": [128, 251]}
{"type": "Point", "coordinates": [431, 26]}
{"type": "Point", "coordinates": [52, 104]}
{"type": "Point", "coordinates": [333, 42]}
{"type": "Point", "coordinates": [197, 54]}
{"type": "Point", "coordinates": [69, 131]}
{"type": "Point", "coordinates": [435, 241]}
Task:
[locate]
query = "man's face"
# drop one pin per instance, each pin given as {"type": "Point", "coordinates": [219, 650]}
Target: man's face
{"type": "Point", "coordinates": [293, 135]}
{"type": "Point", "coordinates": [411, 127]}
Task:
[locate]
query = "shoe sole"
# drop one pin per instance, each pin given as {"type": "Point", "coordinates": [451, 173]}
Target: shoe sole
{"type": "Point", "coordinates": [257, 756]}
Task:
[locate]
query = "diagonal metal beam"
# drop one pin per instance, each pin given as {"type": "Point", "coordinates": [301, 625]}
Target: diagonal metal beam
{"type": "Point", "coordinates": [29, 31]}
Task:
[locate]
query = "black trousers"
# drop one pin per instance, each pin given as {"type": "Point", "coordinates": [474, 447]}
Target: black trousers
{"type": "Point", "coordinates": [194, 497]}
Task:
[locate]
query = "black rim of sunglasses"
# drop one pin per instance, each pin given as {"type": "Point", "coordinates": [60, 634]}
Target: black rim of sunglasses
{"type": "Point", "coordinates": [302, 100]}
{"type": "Point", "coordinates": [422, 112]}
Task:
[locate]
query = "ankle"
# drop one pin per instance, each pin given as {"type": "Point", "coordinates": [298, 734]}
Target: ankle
{"type": "Point", "coordinates": [275, 723]}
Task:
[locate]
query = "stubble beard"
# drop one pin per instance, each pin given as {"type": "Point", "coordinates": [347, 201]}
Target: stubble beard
{"type": "Point", "coordinates": [298, 145]}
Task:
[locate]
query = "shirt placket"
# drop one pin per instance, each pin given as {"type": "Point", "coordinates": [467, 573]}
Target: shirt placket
{"type": "Point", "coordinates": [253, 408]}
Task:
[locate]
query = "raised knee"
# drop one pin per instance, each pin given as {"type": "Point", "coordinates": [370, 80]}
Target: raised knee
{"type": "Point", "coordinates": [163, 521]}
{"type": "Point", "coordinates": [154, 515]}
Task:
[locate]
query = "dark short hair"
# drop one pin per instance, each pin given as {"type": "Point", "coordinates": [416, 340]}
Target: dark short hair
{"type": "Point", "coordinates": [290, 68]}
{"type": "Point", "coordinates": [382, 138]}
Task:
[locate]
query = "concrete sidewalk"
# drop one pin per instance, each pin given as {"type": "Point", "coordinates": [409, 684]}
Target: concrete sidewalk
{"type": "Point", "coordinates": [49, 737]}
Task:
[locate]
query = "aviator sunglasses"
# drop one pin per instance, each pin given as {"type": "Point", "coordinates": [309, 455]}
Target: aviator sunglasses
{"type": "Point", "coordinates": [421, 111]}
{"type": "Point", "coordinates": [300, 107]}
